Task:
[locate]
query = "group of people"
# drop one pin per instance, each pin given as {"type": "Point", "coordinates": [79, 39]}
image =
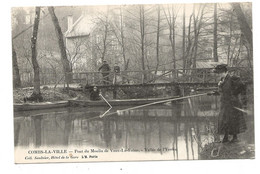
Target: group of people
{"type": "Point", "coordinates": [105, 71]}
{"type": "Point", "coordinates": [231, 120]}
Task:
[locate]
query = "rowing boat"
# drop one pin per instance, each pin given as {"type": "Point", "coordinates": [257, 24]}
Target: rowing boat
{"type": "Point", "coordinates": [39, 106]}
{"type": "Point", "coordinates": [76, 102]}
{"type": "Point", "coordinates": [114, 102]}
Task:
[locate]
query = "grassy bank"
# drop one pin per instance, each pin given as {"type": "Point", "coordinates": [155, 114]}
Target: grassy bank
{"type": "Point", "coordinates": [49, 94]}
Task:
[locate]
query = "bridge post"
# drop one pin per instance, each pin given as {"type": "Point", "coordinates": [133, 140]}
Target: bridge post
{"type": "Point", "coordinates": [114, 83]}
{"type": "Point", "coordinates": [114, 92]}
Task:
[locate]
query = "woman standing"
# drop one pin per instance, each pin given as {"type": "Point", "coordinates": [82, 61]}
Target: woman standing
{"type": "Point", "coordinates": [231, 120]}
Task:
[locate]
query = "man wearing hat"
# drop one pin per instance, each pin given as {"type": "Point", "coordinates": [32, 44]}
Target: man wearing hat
{"type": "Point", "coordinates": [105, 68]}
{"type": "Point", "coordinates": [94, 94]}
{"type": "Point", "coordinates": [231, 120]}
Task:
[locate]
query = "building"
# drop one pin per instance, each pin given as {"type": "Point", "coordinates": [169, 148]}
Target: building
{"type": "Point", "coordinates": [89, 41]}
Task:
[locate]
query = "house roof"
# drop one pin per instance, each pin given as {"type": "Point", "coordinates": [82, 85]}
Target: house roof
{"type": "Point", "coordinates": [81, 27]}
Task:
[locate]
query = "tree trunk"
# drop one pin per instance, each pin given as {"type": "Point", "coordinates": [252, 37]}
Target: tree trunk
{"type": "Point", "coordinates": [183, 39]}
{"type": "Point", "coordinates": [197, 27]}
{"type": "Point", "coordinates": [65, 62]}
{"type": "Point", "coordinates": [245, 28]}
{"type": "Point", "coordinates": [142, 28]}
{"type": "Point", "coordinates": [105, 42]}
{"type": "Point", "coordinates": [157, 40]}
{"type": "Point", "coordinates": [230, 39]}
{"type": "Point", "coordinates": [123, 40]}
{"type": "Point", "coordinates": [195, 45]}
{"type": "Point", "coordinates": [215, 47]}
{"type": "Point", "coordinates": [16, 74]}
{"type": "Point", "coordinates": [171, 23]}
{"type": "Point", "coordinates": [36, 69]}
{"type": "Point", "coordinates": [172, 38]}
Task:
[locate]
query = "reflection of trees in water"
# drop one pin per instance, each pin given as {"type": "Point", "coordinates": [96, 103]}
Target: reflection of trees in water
{"type": "Point", "coordinates": [17, 127]}
{"type": "Point", "coordinates": [107, 132]}
{"type": "Point", "coordinates": [146, 128]}
{"type": "Point", "coordinates": [67, 130]}
{"type": "Point", "coordinates": [24, 131]}
{"type": "Point", "coordinates": [38, 130]}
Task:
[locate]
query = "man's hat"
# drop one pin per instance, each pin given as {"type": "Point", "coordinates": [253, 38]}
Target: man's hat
{"type": "Point", "coordinates": [220, 68]}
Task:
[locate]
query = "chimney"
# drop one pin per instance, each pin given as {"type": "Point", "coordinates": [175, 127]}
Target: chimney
{"type": "Point", "coordinates": [70, 22]}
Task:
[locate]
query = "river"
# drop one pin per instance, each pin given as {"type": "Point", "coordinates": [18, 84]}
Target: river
{"type": "Point", "coordinates": [174, 131]}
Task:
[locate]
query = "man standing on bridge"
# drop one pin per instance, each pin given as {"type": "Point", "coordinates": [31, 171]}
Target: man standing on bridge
{"type": "Point", "coordinates": [231, 120]}
{"type": "Point", "coordinates": [105, 70]}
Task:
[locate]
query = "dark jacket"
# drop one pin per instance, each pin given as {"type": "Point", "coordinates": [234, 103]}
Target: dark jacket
{"type": "Point", "coordinates": [105, 68]}
{"type": "Point", "coordinates": [94, 95]}
{"type": "Point", "coordinates": [231, 119]}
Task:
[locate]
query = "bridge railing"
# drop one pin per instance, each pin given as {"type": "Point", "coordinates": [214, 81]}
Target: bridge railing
{"type": "Point", "coordinates": [197, 75]}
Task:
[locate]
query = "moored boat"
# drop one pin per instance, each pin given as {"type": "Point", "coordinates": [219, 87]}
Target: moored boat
{"type": "Point", "coordinates": [115, 102]}
{"type": "Point", "coordinates": [38, 106]}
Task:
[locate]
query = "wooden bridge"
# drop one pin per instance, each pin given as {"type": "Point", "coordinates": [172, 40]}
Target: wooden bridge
{"type": "Point", "coordinates": [150, 80]}
{"type": "Point", "coordinates": [191, 76]}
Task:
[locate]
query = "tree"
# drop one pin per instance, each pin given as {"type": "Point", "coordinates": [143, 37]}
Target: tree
{"type": "Point", "coordinates": [197, 24]}
{"type": "Point", "coordinates": [183, 38]}
{"type": "Point", "coordinates": [158, 37]}
{"type": "Point", "coordinates": [244, 26]}
{"type": "Point", "coordinates": [245, 29]}
{"type": "Point", "coordinates": [65, 62]}
{"type": "Point", "coordinates": [215, 47]}
{"type": "Point", "coordinates": [16, 74]}
{"type": "Point", "coordinates": [119, 33]}
{"type": "Point", "coordinates": [105, 35]}
{"type": "Point", "coordinates": [78, 51]}
{"type": "Point", "coordinates": [36, 82]}
{"type": "Point", "coordinates": [171, 21]}
{"type": "Point", "coordinates": [142, 36]}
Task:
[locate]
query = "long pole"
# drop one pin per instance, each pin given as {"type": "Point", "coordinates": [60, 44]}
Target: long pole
{"type": "Point", "coordinates": [163, 101]}
{"type": "Point", "coordinates": [149, 104]}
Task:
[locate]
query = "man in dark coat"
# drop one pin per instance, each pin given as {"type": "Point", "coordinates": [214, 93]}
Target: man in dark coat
{"type": "Point", "coordinates": [231, 120]}
{"type": "Point", "coordinates": [94, 94]}
{"type": "Point", "coordinates": [105, 69]}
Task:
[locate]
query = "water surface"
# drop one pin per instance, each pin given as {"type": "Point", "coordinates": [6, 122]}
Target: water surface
{"type": "Point", "coordinates": [179, 129]}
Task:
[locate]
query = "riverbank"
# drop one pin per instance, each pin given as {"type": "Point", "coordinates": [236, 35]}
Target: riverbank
{"type": "Point", "coordinates": [49, 94]}
{"type": "Point", "coordinates": [239, 150]}
{"type": "Point", "coordinates": [59, 93]}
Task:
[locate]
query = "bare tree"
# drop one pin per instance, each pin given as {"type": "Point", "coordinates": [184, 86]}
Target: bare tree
{"type": "Point", "coordinates": [77, 51]}
{"type": "Point", "coordinates": [36, 69]}
{"type": "Point", "coordinates": [158, 37]}
{"type": "Point", "coordinates": [119, 32]}
{"type": "Point", "coordinates": [183, 37]}
{"type": "Point", "coordinates": [16, 74]}
{"type": "Point", "coordinates": [215, 47]}
{"type": "Point", "coordinates": [171, 20]}
{"type": "Point", "coordinates": [102, 36]}
{"type": "Point", "coordinates": [245, 28]}
{"type": "Point", "coordinates": [197, 25]}
{"type": "Point", "coordinates": [142, 36]}
{"type": "Point", "coordinates": [65, 62]}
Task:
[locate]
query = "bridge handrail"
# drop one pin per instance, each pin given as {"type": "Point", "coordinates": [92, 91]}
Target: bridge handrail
{"type": "Point", "coordinates": [164, 70]}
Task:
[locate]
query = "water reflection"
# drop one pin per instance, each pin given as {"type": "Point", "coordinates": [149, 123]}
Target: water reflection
{"type": "Point", "coordinates": [179, 128]}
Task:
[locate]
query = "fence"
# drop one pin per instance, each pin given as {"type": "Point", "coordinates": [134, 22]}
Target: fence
{"type": "Point", "coordinates": [199, 75]}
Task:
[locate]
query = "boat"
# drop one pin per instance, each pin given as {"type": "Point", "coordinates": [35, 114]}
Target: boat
{"type": "Point", "coordinates": [85, 103]}
{"type": "Point", "coordinates": [116, 102]}
{"type": "Point", "coordinates": [39, 106]}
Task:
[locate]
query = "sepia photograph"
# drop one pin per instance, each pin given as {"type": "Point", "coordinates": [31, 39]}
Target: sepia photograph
{"type": "Point", "coordinates": [133, 82]}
